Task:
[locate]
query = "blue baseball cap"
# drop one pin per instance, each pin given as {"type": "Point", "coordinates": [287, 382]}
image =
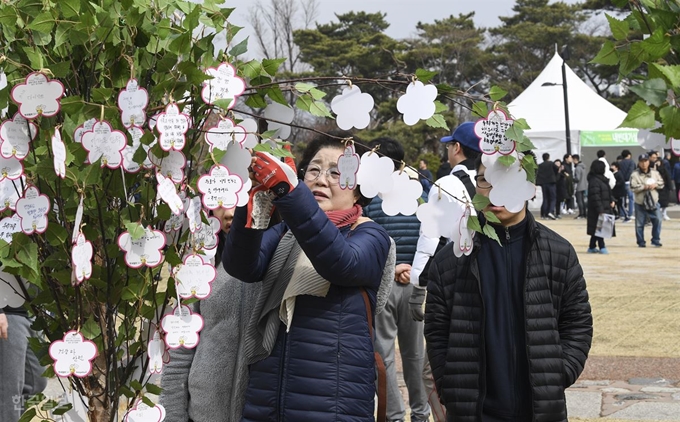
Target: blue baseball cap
{"type": "Point", "coordinates": [465, 135]}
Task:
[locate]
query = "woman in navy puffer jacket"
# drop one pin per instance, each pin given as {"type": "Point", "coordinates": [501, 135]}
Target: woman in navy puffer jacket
{"type": "Point", "coordinates": [313, 361]}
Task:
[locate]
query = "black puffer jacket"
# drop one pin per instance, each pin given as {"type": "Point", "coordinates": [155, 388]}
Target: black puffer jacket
{"type": "Point", "coordinates": [558, 324]}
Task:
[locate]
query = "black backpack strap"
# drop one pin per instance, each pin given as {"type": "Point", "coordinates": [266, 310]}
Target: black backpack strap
{"type": "Point", "coordinates": [464, 177]}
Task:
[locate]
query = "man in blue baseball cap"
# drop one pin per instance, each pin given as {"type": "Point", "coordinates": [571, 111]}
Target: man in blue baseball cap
{"type": "Point", "coordinates": [462, 147]}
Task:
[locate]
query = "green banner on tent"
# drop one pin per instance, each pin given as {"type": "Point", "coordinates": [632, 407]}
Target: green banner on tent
{"type": "Point", "coordinates": [609, 138]}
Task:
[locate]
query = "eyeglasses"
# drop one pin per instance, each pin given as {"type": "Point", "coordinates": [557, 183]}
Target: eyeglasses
{"type": "Point", "coordinates": [482, 183]}
{"type": "Point", "coordinates": [332, 174]}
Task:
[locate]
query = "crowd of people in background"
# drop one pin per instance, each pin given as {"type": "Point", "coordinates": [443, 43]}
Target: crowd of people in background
{"type": "Point", "coordinates": [639, 191]}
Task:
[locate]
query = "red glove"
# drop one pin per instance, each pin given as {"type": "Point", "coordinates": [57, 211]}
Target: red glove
{"type": "Point", "coordinates": [273, 174]}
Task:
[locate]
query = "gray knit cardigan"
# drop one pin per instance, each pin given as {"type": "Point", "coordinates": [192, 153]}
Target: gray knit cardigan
{"type": "Point", "coordinates": [207, 383]}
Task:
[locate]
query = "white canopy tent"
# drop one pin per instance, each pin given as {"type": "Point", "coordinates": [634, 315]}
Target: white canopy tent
{"type": "Point", "coordinates": [593, 121]}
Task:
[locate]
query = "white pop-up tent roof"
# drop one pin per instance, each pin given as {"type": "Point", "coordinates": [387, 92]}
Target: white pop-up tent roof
{"type": "Point", "coordinates": [593, 121]}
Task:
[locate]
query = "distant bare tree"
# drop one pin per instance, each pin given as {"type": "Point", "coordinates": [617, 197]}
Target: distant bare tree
{"type": "Point", "coordinates": [273, 23]}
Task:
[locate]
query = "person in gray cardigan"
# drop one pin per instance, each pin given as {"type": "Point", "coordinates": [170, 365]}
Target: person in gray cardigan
{"type": "Point", "coordinates": [208, 383]}
{"type": "Point", "coordinates": [581, 185]}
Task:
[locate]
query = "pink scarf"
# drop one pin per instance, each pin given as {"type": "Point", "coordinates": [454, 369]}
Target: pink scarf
{"type": "Point", "coordinates": [343, 218]}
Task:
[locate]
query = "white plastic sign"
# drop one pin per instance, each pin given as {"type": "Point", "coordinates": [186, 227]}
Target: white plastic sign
{"type": "Point", "coordinates": [16, 135]}
{"type": "Point", "coordinates": [375, 174]}
{"type": "Point", "coordinates": [145, 251]}
{"type": "Point", "coordinates": [129, 164]}
{"type": "Point", "coordinates": [38, 96]}
{"type": "Point", "coordinates": [105, 143]}
{"type": "Point", "coordinates": [282, 114]}
{"type": "Point", "coordinates": [511, 189]}
{"type": "Point", "coordinates": [32, 209]}
{"type": "Point", "coordinates": [181, 328]}
{"type": "Point", "coordinates": [207, 235]}
{"type": "Point", "coordinates": [10, 291]}
{"type": "Point", "coordinates": [73, 355]}
{"type": "Point", "coordinates": [404, 195]}
{"type": "Point", "coordinates": [194, 278]}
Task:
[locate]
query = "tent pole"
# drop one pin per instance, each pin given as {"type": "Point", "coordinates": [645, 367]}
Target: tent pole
{"type": "Point", "coordinates": [565, 54]}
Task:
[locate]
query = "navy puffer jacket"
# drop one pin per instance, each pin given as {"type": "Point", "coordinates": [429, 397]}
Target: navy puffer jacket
{"type": "Point", "coordinates": [323, 369]}
{"type": "Point", "coordinates": [404, 229]}
{"type": "Point", "coordinates": [558, 326]}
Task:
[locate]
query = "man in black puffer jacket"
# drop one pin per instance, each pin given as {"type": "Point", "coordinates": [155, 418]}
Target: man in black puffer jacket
{"type": "Point", "coordinates": [508, 327]}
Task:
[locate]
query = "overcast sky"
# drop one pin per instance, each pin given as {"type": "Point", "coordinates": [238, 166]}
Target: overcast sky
{"type": "Point", "coordinates": [403, 15]}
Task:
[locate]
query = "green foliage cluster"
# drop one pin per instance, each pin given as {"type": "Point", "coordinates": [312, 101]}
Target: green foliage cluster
{"type": "Point", "coordinates": [645, 47]}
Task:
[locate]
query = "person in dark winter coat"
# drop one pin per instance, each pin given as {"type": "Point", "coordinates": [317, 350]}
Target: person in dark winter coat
{"type": "Point", "coordinates": [310, 344]}
{"type": "Point", "coordinates": [562, 192]}
{"type": "Point", "coordinates": [600, 201]}
{"type": "Point", "coordinates": [508, 327]}
{"type": "Point", "coordinates": [546, 178]}
{"type": "Point", "coordinates": [619, 192]}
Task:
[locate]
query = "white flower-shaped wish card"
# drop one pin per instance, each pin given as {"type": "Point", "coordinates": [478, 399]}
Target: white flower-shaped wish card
{"type": "Point", "coordinates": [11, 168]}
{"type": "Point", "coordinates": [224, 85]}
{"type": "Point", "coordinates": [418, 102]}
{"type": "Point", "coordinates": [59, 154]}
{"type": "Point", "coordinates": [375, 174]}
{"type": "Point", "coordinates": [176, 221]}
{"type": "Point", "coordinates": [491, 133]}
{"type": "Point", "coordinates": [3, 85]}
{"type": "Point", "coordinates": [404, 195]}
{"type": "Point", "coordinates": [181, 328]}
{"type": "Point", "coordinates": [129, 164]}
{"type": "Point", "coordinates": [10, 291]}
{"type": "Point", "coordinates": [145, 251]}
{"type": "Point", "coordinates": [9, 226]}
{"type": "Point", "coordinates": [348, 166]}
{"type": "Point", "coordinates": [220, 188]}
{"type": "Point", "coordinates": [168, 192]}
{"type": "Point", "coordinates": [462, 243]}
{"type": "Point", "coordinates": [511, 189]}
{"type": "Point", "coordinates": [171, 166]}
{"type": "Point", "coordinates": [224, 133]}
{"type": "Point", "coordinates": [85, 127]}
{"type": "Point", "coordinates": [172, 125]}
{"type": "Point", "coordinates": [194, 277]}
{"type": "Point", "coordinates": [105, 143]}
{"type": "Point", "coordinates": [250, 127]}
{"type": "Point", "coordinates": [237, 159]}
{"type": "Point", "coordinates": [132, 102]}
{"type": "Point", "coordinates": [675, 146]}
{"type": "Point", "coordinates": [73, 355]}
{"type": "Point", "coordinates": [37, 96]}
{"type": "Point", "coordinates": [157, 353]}
{"type": "Point", "coordinates": [32, 208]}
{"type": "Point", "coordinates": [193, 209]}
{"type": "Point", "coordinates": [10, 192]}
{"type": "Point", "coordinates": [81, 258]}
{"type": "Point", "coordinates": [207, 236]}
{"type": "Point", "coordinates": [283, 115]}
{"type": "Point", "coordinates": [16, 136]}
{"type": "Point", "coordinates": [141, 412]}
{"type": "Point", "coordinates": [440, 214]}
{"type": "Point", "coordinates": [353, 108]}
